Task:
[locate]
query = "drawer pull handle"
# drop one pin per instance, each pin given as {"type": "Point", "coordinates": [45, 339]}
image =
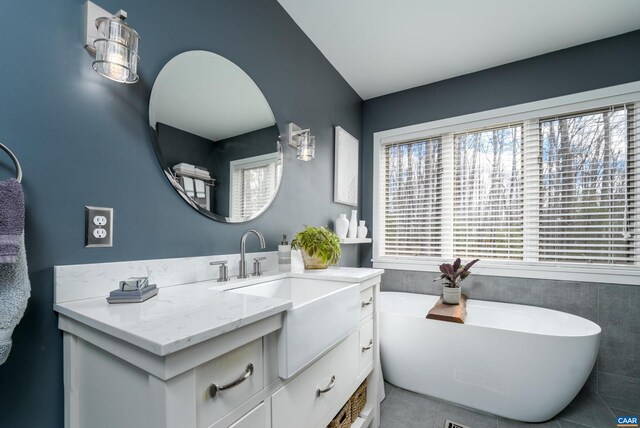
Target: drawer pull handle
{"type": "Point", "coordinates": [328, 388]}
{"type": "Point", "coordinates": [369, 346]}
{"type": "Point", "coordinates": [213, 388]}
{"type": "Point", "coordinates": [368, 302]}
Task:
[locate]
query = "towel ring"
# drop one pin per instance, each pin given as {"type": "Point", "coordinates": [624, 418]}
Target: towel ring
{"type": "Point", "coordinates": [15, 161]}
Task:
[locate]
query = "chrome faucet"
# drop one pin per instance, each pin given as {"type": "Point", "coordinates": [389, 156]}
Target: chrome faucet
{"type": "Point", "coordinates": [242, 270]}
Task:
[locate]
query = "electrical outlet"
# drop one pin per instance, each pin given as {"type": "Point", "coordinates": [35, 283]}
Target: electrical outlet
{"type": "Point", "coordinates": [98, 227]}
{"type": "Point", "coordinates": [100, 220]}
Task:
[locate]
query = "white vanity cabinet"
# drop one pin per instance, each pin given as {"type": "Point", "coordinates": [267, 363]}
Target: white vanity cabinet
{"type": "Point", "coordinates": [131, 389]}
{"type": "Point", "coordinates": [229, 380]}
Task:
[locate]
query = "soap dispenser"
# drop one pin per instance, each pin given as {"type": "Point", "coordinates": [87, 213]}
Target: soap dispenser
{"type": "Point", "coordinates": [284, 255]}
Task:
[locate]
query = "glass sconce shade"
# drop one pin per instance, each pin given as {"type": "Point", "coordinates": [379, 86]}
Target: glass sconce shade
{"type": "Point", "coordinates": [306, 147]}
{"type": "Point", "coordinates": [116, 50]}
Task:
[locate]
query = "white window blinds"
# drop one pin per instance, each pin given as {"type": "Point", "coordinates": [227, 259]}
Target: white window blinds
{"type": "Point", "coordinates": [588, 187]}
{"type": "Point", "coordinates": [562, 189]}
{"type": "Point", "coordinates": [412, 205]}
{"type": "Point", "coordinates": [488, 194]}
{"type": "Point", "coordinates": [254, 183]}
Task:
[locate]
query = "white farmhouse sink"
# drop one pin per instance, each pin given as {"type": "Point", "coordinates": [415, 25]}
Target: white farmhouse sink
{"type": "Point", "coordinates": [323, 313]}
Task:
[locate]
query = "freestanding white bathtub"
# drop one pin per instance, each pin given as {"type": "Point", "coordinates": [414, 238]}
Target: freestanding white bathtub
{"type": "Point", "coordinates": [518, 362]}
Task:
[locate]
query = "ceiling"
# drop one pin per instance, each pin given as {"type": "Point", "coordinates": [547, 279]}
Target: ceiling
{"type": "Point", "coordinates": [384, 46]}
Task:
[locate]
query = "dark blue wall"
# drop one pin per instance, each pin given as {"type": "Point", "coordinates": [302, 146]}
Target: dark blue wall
{"type": "Point", "coordinates": [84, 140]}
{"type": "Point", "coordinates": [581, 68]}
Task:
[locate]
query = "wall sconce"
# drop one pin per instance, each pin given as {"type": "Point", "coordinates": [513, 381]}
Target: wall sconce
{"type": "Point", "coordinates": [114, 44]}
{"type": "Point", "coordinates": [303, 141]}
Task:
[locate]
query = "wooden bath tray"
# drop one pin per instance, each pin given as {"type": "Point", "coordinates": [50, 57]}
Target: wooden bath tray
{"type": "Point", "coordinates": [452, 313]}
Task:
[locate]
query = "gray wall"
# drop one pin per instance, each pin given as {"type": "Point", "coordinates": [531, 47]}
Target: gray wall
{"type": "Point", "coordinates": [614, 307]}
{"type": "Point", "coordinates": [84, 140]}
{"type": "Point", "coordinates": [599, 64]}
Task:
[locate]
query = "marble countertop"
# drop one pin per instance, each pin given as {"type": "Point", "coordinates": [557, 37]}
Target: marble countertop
{"type": "Point", "coordinates": [183, 315]}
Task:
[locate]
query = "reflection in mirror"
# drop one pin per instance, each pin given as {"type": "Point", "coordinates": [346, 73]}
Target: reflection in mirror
{"type": "Point", "coordinates": [215, 136]}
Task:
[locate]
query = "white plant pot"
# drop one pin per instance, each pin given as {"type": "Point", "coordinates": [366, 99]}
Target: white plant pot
{"type": "Point", "coordinates": [451, 295]}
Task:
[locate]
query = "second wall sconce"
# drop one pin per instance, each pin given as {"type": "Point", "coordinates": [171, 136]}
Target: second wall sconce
{"type": "Point", "coordinates": [303, 141]}
{"type": "Point", "coordinates": [114, 44]}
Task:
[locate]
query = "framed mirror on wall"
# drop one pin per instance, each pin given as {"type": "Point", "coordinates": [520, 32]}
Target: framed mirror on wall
{"type": "Point", "coordinates": [215, 136]}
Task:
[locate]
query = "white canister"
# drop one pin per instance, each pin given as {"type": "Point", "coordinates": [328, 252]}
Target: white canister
{"type": "Point", "coordinates": [362, 230]}
{"type": "Point", "coordinates": [342, 226]}
{"type": "Point", "coordinates": [353, 224]}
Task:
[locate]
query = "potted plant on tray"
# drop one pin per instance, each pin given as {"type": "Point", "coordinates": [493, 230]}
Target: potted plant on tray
{"type": "Point", "coordinates": [454, 274]}
{"type": "Point", "coordinates": [320, 247]}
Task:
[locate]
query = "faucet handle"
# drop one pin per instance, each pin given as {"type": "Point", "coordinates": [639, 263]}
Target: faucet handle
{"type": "Point", "coordinates": [257, 270]}
{"type": "Point", "coordinates": [223, 270]}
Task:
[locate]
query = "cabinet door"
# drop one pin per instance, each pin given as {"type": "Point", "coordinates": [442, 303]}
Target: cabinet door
{"type": "Point", "coordinates": [298, 404]}
{"type": "Point", "coordinates": [257, 418]}
{"type": "Point", "coordinates": [366, 347]}
{"type": "Point", "coordinates": [239, 373]}
{"type": "Point", "coordinates": [366, 302]}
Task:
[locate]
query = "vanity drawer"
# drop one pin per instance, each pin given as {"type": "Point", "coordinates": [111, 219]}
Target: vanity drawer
{"type": "Point", "coordinates": [366, 346]}
{"type": "Point", "coordinates": [298, 404]}
{"type": "Point", "coordinates": [227, 373]}
{"type": "Point", "coordinates": [256, 418]}
{"type": "Point", "coordinates": [366, 302]}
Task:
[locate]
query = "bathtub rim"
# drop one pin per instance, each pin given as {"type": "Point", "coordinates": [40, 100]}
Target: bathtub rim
{"type": "Point", "coordinates": [592, 328]}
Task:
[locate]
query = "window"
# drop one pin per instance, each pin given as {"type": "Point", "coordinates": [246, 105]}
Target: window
{"type": "Point", "coordinates": [488, 193]}
{"type": "Point", "coordinates": [560, 189]}
{"type": "Point", "coordinates": [254, 182]}
{"type": "Point", "coordinates": [413, 175]}
{"type": "Point", "coordinates": [587, 179]}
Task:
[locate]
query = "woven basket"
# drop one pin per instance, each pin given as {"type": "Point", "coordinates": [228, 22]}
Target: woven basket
{"type": "Point", "coordinates": [312, 262]}
{"type": "Point", "coordinates": [358, 400]}
{"type": "Point", "coordinates": [343, 418]}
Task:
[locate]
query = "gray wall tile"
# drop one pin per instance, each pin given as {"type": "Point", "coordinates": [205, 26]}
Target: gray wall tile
{"type": "Point", "coordinates": [588, 409]}
{"type": "Point", "coordinates": [503, 289]}
{"type": "Point", "coordinates": [620, 391]}
{"type": "Point", "coordinates": [411, 281]}
{"type": "Point", "coordinates": [577, 298]}
{"type": "Point", "coordinates": [620, 340]}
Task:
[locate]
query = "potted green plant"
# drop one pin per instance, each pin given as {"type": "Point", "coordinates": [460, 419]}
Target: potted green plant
{"type": "Point", "coordinates": [320, 247]}
{"type": "Point", "coordinates": [453, 275]}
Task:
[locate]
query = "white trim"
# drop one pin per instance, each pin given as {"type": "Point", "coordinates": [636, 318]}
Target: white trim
{"type": "Point", "coordinates": [629, 92]}
{"type": "Point", "coordinates": [565, 272]}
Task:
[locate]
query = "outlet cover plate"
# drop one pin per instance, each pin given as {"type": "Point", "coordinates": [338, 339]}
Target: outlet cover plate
{"type": "Point", "coordinates": [90, 241]}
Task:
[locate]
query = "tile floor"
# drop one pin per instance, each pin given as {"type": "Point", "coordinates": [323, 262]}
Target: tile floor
{"type": "Point", "coordinates": [404, 409]}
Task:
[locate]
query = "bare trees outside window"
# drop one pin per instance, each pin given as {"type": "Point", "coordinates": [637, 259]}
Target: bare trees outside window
{"type": "Point", "coordinates": [563, 189]}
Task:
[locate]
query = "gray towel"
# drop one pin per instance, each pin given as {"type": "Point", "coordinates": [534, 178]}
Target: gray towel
{"type": "Point", "coordinates": [14, 293]}
{"type": "Point", "coordinates": [11, 220]}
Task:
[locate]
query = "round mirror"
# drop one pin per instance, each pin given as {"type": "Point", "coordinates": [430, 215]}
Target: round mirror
{"type": "Point", "coordinates": [215, 136]}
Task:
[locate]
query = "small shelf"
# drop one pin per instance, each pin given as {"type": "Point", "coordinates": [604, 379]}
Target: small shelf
{"type": "Point", "coordinates": [356, 240]}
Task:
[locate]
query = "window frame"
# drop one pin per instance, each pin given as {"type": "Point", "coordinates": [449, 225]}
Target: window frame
{"type": "Point", "coordinates": [527, 113]}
